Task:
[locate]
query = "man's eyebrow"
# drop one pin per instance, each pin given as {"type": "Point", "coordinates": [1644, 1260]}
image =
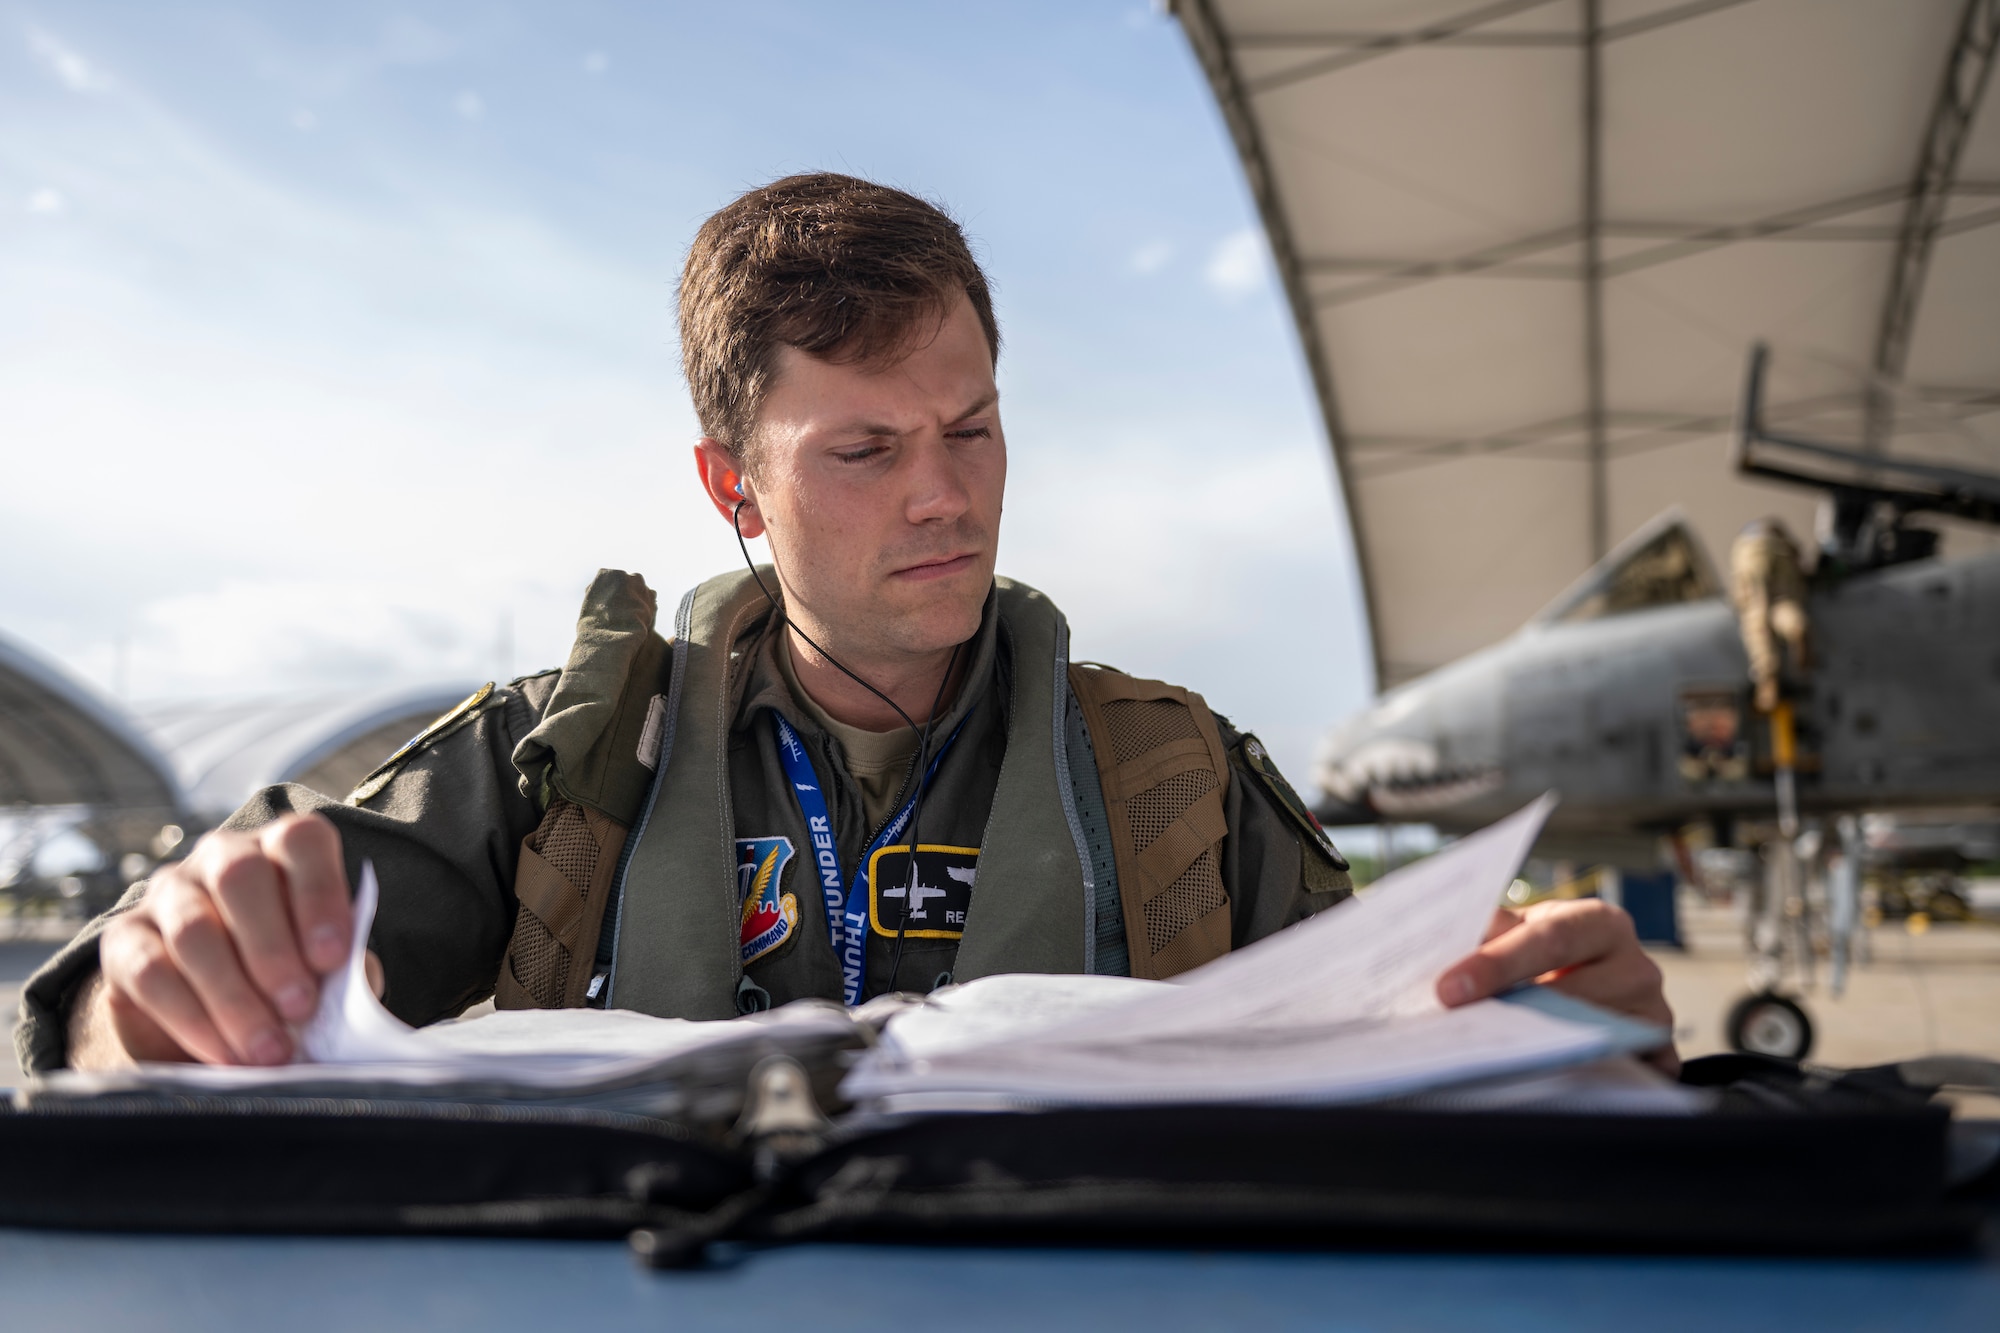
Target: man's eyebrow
{"type": "Point", "coordinates": [984, 401]}
{"type": "Point", "coordinates": [862, 427]}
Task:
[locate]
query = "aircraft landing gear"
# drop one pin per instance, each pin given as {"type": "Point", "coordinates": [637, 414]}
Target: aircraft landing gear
{"type": "Point", "coordinates": [1767, 1023]}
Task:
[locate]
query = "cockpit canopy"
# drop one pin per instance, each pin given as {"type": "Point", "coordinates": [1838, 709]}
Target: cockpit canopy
{"type": "Point", "coordinates": [1662, 564]}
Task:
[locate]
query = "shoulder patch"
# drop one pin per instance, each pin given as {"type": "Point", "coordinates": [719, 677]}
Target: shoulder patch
{"type": "Point", "coordinates": [460, 713]}
{"type": "Point", "coordinates": [770, 916]}
{"type": "Point", "coordinates": [1258, 760]}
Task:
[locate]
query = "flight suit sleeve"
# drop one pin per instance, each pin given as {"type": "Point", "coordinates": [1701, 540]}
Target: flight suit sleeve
{"type": "Point", "coordinates": [1278, 865]}
{"type": "Point", "coordinates": [442, 821]}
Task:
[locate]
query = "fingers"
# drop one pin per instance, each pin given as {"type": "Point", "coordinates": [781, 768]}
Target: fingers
{"type": "Point", "coordinates": [138, 1036]}
{"type": "Point", "coordinates": [227, 947]}
{"type": "Point", "coordinates": [1549, 938]}
{"type": "Point", "coordinates": [1584, 947]}
{"type": "Point", "coordinates": [1504, 920]}
{"type": "Point", "coordinates": [306, 852]}
{"type": "Point", "coordinates": [245, 888]}
{"type": "Point", "coordinates": [199, 945]}
{"type": "Point", "coordinates": [150, 1000]}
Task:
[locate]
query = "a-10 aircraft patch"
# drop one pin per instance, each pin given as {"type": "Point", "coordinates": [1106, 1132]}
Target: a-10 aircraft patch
{"type": "Point", "coordinates": [938, 902]}
{"type": "Point", "coordinates": [769, 917]}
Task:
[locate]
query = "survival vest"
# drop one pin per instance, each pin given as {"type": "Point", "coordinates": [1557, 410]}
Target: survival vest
{"type": "Point", "coordinates": [638, 838]}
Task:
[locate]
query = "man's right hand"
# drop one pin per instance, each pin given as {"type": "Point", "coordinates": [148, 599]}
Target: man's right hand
{"type": "Point", "coordinates": [226, 948]}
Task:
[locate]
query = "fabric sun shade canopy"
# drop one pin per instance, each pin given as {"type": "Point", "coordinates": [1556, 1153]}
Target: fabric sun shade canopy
{"type": "Point", "coordinates": [1529, 244]}
{"type": "Point", "coordinates": [224, 750]}
{"type": "Point", "coordinates": [62, 745]}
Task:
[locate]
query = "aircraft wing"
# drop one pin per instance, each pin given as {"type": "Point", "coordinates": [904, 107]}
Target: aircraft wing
{"type": "Point", "coordinates": [1529, 243]}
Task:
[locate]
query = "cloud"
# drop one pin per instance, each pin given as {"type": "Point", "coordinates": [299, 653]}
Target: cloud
{"type": "Point", "coordinates": [304, 121]}
{"type": "Point", "coordinates": [411, 41]}
{"type": "Point", "coordinates": [1131, 534]}
{"type": "Point", "coordinates": [469, 104]}
{"type": "Point", "coordinates": [1152, 256]}
{"type": "Point", "coordinates": [48, 201]}
{"type": "Point", "coordinates": [1239, 263]}
{"type": "Point", "coordinates": [596, 63]}
{"type": "Point", "coordinates": [76, 73]}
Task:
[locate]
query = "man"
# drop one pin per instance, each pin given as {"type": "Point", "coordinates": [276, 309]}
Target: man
{"type": "Point", "coordinates": [1768, 585]}
{"type": "Point", "coordinates": [706, 825]}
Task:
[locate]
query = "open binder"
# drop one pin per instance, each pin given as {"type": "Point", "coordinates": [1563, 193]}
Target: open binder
{"type": "Point", "coordinates": [1306, 1090]}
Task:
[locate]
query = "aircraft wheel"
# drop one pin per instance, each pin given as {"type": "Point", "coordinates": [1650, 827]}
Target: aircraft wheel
{"type": "Point", "coordinates": [1769, 1024]}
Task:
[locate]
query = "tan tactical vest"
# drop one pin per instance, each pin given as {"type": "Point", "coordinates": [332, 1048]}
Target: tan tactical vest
{"type": "Point", "coordinates": [626, 692]}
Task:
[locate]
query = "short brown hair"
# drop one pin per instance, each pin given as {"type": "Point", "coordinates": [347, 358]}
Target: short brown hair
{"type": "Point", "coordinates": [837, 267]}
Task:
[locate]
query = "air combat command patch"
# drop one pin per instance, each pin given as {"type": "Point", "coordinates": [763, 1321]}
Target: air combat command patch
{"type": "Point", "coordinates": [769, 917]}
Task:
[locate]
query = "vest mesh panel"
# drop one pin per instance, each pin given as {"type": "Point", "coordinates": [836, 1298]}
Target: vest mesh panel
{"type": "Point", "coordinates": [1198, 891]}
{"type": "Point", "coordinates": [1154, 810]}
{"type": "Point", "coordinates": [1139, 725]}
{"type": "Point", "coordinates": [539, 961]}
{"type": "Point", "coordinates": [1187, 900]}
{"type": "Point", "coordinates": [564, 841]}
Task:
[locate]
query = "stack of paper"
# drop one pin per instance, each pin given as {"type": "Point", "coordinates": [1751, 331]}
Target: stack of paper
{"type": "Point", "coordinates": [607, 1060]}
{"type": "Point", "coordinates": [1340, 1008]}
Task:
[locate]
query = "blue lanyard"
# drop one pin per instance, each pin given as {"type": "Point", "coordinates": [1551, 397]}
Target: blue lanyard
{"type": "Point", "coordinates": [846, 914]}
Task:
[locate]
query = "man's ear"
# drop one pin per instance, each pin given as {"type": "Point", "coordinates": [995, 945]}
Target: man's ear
{"type": "Point", "coordinates": [722, 477]}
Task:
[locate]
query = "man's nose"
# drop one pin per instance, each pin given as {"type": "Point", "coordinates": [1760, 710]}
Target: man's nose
{"type": "Point", "coordinates": [937, 493]}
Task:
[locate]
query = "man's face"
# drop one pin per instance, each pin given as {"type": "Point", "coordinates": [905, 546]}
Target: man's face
{"type": "Point", "coordinates": [880, 485]}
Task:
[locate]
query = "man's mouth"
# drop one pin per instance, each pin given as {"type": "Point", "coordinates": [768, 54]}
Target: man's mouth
{"type": "Point", "coordinates": [941, 568]}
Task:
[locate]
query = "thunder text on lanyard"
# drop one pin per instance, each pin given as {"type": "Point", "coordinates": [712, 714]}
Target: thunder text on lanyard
{"type": "Point", "coordinates": [846, 913]}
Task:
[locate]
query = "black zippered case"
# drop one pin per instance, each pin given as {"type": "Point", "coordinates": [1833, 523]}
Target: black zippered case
{"type": "Point", "coordinates": [1788, 1161]}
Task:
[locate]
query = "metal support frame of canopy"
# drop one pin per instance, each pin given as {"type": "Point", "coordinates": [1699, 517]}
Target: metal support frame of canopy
{"type": "Point", "coordinates": [1601, 431]}
{"type": "Point", "coordinates": [1967, 70]}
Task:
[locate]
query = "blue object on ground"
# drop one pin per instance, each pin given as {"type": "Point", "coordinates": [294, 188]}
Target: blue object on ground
{"type": "Point", "coordinates": [1648, 896]}
{"type": "Point", "coordinates": [222, 1283]}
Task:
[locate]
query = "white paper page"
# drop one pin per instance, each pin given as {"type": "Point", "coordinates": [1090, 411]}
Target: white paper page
{"type": "Point", "coordinates": [351, 1026]}
{"type": "Point", "coordinates": [1004, 1008]}
{"type": "Point", "coordinates": [1270, 1063]}
{"type": "Point", "coordinates": [1339, 1007]}
{"type": "Point", "coordinates": [1372, 957]}
{"type": "Point", "coordinates": [352, 1037]}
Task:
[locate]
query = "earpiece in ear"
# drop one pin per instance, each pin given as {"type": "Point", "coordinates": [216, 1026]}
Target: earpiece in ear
{"type": "Point", "coordinates": [736, 484]}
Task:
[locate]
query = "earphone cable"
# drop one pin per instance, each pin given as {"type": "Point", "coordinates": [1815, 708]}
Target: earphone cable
{"type": "Point", "coordinates": [923, 732]}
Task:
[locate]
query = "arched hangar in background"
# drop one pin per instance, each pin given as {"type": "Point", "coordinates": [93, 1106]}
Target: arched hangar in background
{"type": "Point", "coordinates": [131, 780]}
{"type": "Point", "coordinates": [64, 745]}
{"type": "Point", "coordinates": [222, 751]}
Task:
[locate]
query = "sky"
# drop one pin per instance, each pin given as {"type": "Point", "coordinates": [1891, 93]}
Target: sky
{"type": "Point", "coordinates": [337, 342]}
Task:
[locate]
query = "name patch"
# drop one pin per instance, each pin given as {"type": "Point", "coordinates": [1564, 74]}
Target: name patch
{"type": "Point", "coordinates": [769, 917]}
{"type": "Point", "coordinates": [940, 900]}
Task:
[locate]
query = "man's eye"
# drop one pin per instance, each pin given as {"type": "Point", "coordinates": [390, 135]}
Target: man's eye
{"type": "Point", "coordinates": [971, 433]}
{"type": "Point", "coordinates": [860, 455]}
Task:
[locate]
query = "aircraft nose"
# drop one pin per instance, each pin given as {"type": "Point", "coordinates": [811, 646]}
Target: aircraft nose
{"type": "Point", "coordinates": [1399, 758]}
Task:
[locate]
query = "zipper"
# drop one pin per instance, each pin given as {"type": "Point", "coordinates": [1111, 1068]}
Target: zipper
{"type": "Point", "coordinates": [115, 1106]}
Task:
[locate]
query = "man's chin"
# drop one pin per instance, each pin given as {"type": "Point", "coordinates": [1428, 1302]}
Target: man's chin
{"type": "Point", "coordinates": [939, 614]}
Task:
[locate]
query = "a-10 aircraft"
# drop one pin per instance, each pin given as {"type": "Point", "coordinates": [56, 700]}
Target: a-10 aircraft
{"type": "Point", "coordinates": [1630, 693]}
{"type": "Point", "coordinates": [1525, 247]}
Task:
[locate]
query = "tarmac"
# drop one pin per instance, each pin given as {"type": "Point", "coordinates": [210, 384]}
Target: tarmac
{"type": "Point", "coordinates": [1932, 991]}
